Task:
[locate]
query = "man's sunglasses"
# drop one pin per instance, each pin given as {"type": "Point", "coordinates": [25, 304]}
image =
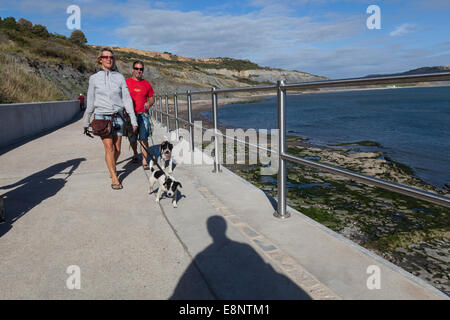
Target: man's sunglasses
{"type": "Point", "coordinates": [107, 57]}
{"type": "Point", "coordinates": [142, 69]}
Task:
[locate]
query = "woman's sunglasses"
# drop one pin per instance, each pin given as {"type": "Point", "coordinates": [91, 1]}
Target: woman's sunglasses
{"type": "Point", "coordinates": [142, 69]}
{"type": "Point", "coordinates": [107, 57]}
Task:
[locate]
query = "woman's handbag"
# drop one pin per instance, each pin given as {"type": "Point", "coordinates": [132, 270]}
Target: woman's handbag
{"type": "Point", "coordinates": [102, 127]}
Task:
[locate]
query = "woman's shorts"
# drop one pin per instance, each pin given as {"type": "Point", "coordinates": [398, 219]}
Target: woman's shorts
{"type": "Point", "coordinates": [117, 121]}
{"type": "Point", "coordinates": [143, 128]}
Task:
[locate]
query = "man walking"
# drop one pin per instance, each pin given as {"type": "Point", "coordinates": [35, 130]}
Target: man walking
{"type": "Point", "coordinates": [142, 94]}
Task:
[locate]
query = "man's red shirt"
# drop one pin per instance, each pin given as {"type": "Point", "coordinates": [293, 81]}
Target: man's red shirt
{"type": "Point", "coordinates": [139, 91]}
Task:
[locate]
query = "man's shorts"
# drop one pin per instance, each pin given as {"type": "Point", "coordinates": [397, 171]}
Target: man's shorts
{"type": "Point", "coordinates": [143, 128]}
{"type": "Point", "coordinates": [116, 121]}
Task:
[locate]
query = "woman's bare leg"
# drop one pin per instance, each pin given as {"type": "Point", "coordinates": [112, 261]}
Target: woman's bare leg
{"type": "Point", "coordinates": [117, 140]}
{"type": "Point", "coordinates": [110, 159]}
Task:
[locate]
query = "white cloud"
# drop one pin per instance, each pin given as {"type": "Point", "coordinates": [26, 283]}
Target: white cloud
{"type": "Point", "coordinates": [357, 61]}
{"type": "Point", "coordinates": [324, 46]}
{"type": "Point", "coordinates": [197, 34]}
{"type": "Point", "coordinates": [403, 29]}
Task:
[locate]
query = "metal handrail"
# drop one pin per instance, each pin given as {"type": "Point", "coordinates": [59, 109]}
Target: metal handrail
{"type": "Point", "coordinates": [441, 76]}
{"type": "Point", "coordinates": [281, 89]}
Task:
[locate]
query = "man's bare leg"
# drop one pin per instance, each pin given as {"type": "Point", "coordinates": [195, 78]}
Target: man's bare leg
{"type": "Point", "coordinates": [144, 153]}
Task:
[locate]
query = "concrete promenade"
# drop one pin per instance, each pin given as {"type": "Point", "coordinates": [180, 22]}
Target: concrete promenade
{"type": "Point", "coordinates": [222, 242]}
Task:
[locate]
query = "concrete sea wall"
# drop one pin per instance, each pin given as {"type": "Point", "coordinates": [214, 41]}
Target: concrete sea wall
{"type": "Point", "coordinates": [23, 120]}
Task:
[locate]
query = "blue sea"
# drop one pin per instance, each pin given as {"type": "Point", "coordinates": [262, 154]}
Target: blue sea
{"type": "Point", "coordinates": [411, 124]}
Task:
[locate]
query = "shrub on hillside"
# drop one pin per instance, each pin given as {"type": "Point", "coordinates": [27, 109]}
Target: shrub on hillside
{"type": "Point", "coordinates": [121, 55]}
{"type": "Point", "coordinates": [8, 23]}
{"type": "Point", "coordinates": [25, 24]}
{"type": "Point", "coordinates": [78, 37]}
{"type": "Point", "coordinates": [59, 36]}
{"type": "Point", "coordinates": [40, 31]}
{"type": "Point", "coordinates": [61, 53]}
{"type": "Point", "coordinates": [238, 64]}
{"type": "Point", "coordinates": [17, 37]}
{"type": "Point", "coordinates": [226, 63]}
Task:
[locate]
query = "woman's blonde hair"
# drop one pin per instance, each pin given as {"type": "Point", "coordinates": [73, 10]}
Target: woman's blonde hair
{"type": "Point", "coordinates": [99, 59]}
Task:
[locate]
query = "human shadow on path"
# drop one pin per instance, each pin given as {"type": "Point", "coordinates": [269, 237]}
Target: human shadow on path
{"type": "Point", "coordinates": [233, 271]}
{"type": "Point", "coordinates": [34, 189]}
{"type": "Point", "coordinates": [128, 168]}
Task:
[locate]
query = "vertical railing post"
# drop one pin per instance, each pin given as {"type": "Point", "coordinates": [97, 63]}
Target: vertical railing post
{"type": "Point", "coordinates": [216, 131]}
{"type": "Point", "coordinates": [177, 124]}
{"type": "Point", "coordinates": [155, 109]}
{"type": "Point", "coordinates": [151, 109]}
{"type": "Point", "coordinates": [167, 112]}
{"type": "Point", "coordinates": [160, 109]}
{"type": "Point", "coordinates": [281, 108]}
{"type": "Point", "coordinates": [191, 124]}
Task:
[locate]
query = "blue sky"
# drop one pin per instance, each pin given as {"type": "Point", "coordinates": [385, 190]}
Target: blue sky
{"type": "Point", "coordinates": [322, 37]}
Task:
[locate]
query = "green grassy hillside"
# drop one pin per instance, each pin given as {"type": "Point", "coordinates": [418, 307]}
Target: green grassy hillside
{"type": "Point", "coordinates": [21, 86]}
{"type": "Point", "coordinates": [24, 49]}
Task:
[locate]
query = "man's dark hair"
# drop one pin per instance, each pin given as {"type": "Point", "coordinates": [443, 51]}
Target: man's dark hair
{"type": "Point", "coordinates": [138, 62]}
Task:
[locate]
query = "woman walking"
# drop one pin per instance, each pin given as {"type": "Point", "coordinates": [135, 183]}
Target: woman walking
{"type": "Point", "coordinates": [107, 96]}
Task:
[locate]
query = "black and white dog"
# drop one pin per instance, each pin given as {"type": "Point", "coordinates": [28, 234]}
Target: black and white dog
{"type": "Point", "coordinates": [165, 151]}
{"type": "Point", "coordinates": [167, 184]}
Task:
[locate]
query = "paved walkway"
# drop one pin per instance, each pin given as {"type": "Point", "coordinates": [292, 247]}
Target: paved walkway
{"type": "Point", "coordinates": [222, 242]}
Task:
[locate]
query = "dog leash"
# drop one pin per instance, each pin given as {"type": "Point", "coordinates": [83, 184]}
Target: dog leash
{"type": "Point", "coordinates": [148, 152]}
{"type": "Point", "coordinates": [88, 133]}
{"type": "Point", "coordinates": [151, 157]}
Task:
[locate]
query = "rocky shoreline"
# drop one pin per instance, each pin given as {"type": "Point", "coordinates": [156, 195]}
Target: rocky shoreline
{"type": "Point", "coordinates": [410, 233]}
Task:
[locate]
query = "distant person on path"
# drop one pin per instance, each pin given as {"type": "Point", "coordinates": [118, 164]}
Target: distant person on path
{"type": "Point", "coordinates": [142, 93]}
{"type": "Point", "coordinates": [81, 98]}
{"type": "Point", "coordinates": [107, 96]}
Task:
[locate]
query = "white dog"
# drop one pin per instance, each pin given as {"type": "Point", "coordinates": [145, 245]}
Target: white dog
{"type": "Point", "coordinates": [167, 184]}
